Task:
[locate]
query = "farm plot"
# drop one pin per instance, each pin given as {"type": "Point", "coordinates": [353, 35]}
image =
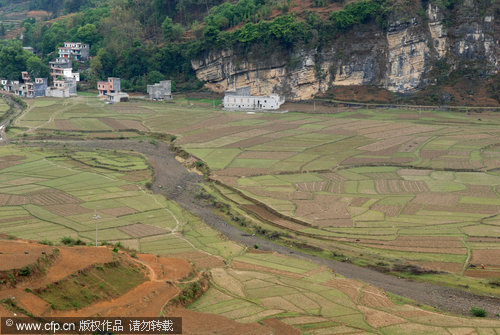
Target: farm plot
{"type": "Point", "coordinates": [313, 299]}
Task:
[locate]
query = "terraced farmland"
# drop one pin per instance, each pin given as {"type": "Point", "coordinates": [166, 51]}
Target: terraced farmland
{"type": "Point", "coordinates": [395, 186]}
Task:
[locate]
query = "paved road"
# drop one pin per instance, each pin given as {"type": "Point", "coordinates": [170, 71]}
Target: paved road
{"type": "Point", "coordinates": [180, 185]}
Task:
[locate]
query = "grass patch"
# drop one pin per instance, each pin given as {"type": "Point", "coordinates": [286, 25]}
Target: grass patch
{"type": "Point", "coordinates": [93, 284]}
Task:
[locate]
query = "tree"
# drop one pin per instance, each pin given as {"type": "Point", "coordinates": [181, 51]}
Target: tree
{"type": "Point", "coordinates": [36, 68]}
{"type": "Point", "coordinates": [87, 33]}
{"type": "Point", "coordinates": [171, 31]}
{"type": "Point", "coordinates": [2, 30]}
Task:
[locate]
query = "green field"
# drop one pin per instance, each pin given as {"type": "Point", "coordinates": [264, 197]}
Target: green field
{"type": "Point", "coordinates": [381, 182]}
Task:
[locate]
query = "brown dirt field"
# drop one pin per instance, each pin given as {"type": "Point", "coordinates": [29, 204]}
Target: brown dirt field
{"type": "Point", "coordinates": [431, 154]}
{"type": "Point", "coordinates": [322, 207]}
{"type": "Point", "coordinates": [249, 142]}
{"type": "Point", "coordinates": [386, 144]}
{"type": "Point", "coordinates": [484, 239]}
{"type": "Point", "coordinates": [423, 241]}
{"type": "Point", "coordinates": [281, 328]}
{"type": "Point", "coordinates": [389, 210]}
{"type": "Point", "coordinates": [113, 123]}
{"type": "Point", "coordinates": [4, 165]}
{"type": "Point", "coordinates": [313, 186]}
{"type": "Point", "coordinates": [465, 208]}
{"type": "Point", "coordinates": [14, 219]}
{"type": "Point", "coordinates": [358, 202]}
{"type": "Point", "coordinates": [4, 312]}
{"type": "Point", "coordinates": [67, 209]}
{"type": "Point", "coordinates": [211, 134]}
{"type": "Point", "coordinates": [65, 125]}
{"type": "Point", "coordinates": [379, 319]}
{"type": "Point", "coordinates": [334, 177]}
{"type": "Point", "coordinates": [373, 297]}
{"type": "Point", "coordinates": [24, 181]}
{"type": "Point", "coordinates": [65, 264]}
{"type": "Point", "coordinates": [52, 197]}
{"type": "Point", "coordinates": [440, 266]}
{"type": "Point", "coordinates": [266, 154]}
{"type": "Point", "coordinates": [146, 299]}
{"type": "Point", "coordinates": [441, 199]}
{"type": "Point", "coordinates": [454, 251]}
{"type": "Point", "coordinates": [413, 145]}
{"type": "Point", "coordinates": [133, 124]}
{"type": "Point", "coordinates": [12, 158]}
{"type": "Point", "coordinates": [246, 266]}
{"type": "Point", "coordinates": [483, 191]}
{"type": "Point", "coordinates": [32, 303]}
{"type": "Point", "coordinates": [202, 260]}
{"type": "Point", "coordinates": [218, 120]}
{"type": "Point", "coordinates": [138, 230]}
{"type": "Point", "coordinates": [382, 175]}
{"type": "Point", "coordinates": [486, 257]}
{"type": "Point", "coordinates": [333, 223]}
{"type": "Point", "coordinates": [119, 211]}
{"type": "Point", "coordinates": [266, 215]}
{"type": "Point", "coordinates": [205, 323]}
{"type": "Point", "coordinates": [166, 268]}
{"type": "Point", "coordinates": [400, 186]}
{"type": "Point", "coordinates": [386, 127]}
{"type": "Point", "coordinates": [4, 198]}
{"type": "Point", "coordinates": [12, 254]}
{"type": "Point", "coordinates": [16, 200]}
{"type": "Point", "coordinates": [414, 129]}
{"type": "Point", "coordinates": [480, 273]}
{"type": "Point", "coordinates": [351, 288]}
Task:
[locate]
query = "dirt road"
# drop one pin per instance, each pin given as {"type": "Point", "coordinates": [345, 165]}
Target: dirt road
{"type": "Point", "coordinates": [178, 184]}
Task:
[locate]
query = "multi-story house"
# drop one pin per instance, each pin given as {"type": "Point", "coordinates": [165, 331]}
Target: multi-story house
{"type": "Point", "coordinates": [77, 51]}
{"type": "Point", "coordinates": [110, 86]}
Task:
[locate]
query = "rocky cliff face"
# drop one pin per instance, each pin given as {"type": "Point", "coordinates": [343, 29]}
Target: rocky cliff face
{"type": "Point", "coordinates": [400, 59]}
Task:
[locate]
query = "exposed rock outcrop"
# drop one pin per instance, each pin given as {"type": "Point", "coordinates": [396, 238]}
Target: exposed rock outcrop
{"type": "Point", "coordinates": [399, 59]}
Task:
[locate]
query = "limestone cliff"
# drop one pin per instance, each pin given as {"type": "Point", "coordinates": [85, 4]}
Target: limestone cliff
{"type": "Point", "coordinates": [401, 58]}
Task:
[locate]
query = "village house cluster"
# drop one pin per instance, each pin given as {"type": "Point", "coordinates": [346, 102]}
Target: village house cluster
{"type": "Point", "coordinates": [64, 80]}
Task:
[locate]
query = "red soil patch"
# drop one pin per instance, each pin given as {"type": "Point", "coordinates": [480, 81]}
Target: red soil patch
{"type": "Point", "coordinates": [166, 268]}
{"type": "Point", "coordinates": [138, 230]}
{"type": "Point", "coordinates": [202, 260]}
{"type": "Point", "coordinates": [12, 254]}
{"type": "Point", "coordinates": [4, 312]}
{"type": "Point", "coordinates": [65, 264]}
{"type": "Point", "coordinates": [281, 328]}
{"type": "Point", "coordinates": [205, 323]}
{"type": "Point", "coordinates": [146, 299]}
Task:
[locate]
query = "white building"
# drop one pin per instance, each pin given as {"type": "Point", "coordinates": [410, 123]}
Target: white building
{"type": "Point", "coordinates": [241, 99]}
